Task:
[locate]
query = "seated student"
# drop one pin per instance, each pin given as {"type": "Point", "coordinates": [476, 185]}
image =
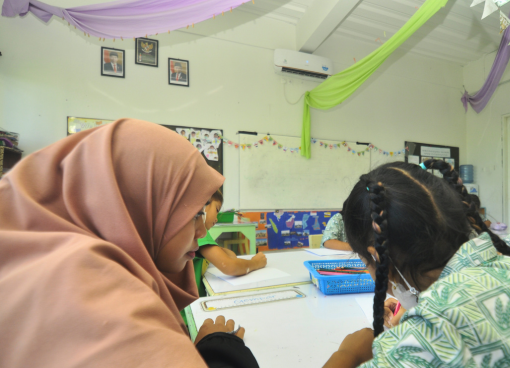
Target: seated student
{"type": "Point", "coordinates": [334, 234]}
{"type": "Point", "coordinates": [97, 235]}
{"type": "Point", "coordinates": [224, 259]}
{"type": "Point", "coordinates": [413, 230]}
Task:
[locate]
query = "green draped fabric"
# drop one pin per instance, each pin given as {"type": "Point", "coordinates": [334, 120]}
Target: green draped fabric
{"type": "Point", "coordinates": [337, 88]}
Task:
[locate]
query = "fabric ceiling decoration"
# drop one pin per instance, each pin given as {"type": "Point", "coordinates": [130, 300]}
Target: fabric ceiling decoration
{"type": "Point", "coordinates": [479, 100]}
{"type": "Point", "coordinates": [340, 86]}
{"type": "Point", "coordinates": [126, 18]}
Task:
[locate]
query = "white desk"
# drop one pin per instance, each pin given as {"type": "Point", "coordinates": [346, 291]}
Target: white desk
{"type": "Point", "coordinates": [292, 333]}
{"type": "Point", "coordinates": [289, 261]}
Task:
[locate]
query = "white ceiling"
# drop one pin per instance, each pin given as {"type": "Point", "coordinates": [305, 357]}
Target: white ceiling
{"type": "Point", "coordinates": [455, 34]}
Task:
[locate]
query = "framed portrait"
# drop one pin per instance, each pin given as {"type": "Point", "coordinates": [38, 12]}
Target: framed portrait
{"type": "Point", "coordinates": [178, 72]}
{"type": "Point", "coordinates": [113, 62]}
{"type": "Point", "coordinates": [146, 52]}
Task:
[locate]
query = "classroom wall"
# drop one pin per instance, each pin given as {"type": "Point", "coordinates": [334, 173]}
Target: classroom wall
{"type": "Point", "coordinates": [50, 71]}
{"type": "Point", "coordinates": [484, 136]}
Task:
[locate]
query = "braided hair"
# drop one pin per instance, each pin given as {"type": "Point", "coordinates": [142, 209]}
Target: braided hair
{"type": "Point", "coordinates": [380, 227]}
{"type": "Point", "coordinates": [414, 220]}
{"type": "Point", "coordinates": [470, 205]}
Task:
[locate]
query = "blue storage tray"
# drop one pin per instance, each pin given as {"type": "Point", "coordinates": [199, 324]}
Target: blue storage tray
{"type": "Point", "coordinates": [342, 284]}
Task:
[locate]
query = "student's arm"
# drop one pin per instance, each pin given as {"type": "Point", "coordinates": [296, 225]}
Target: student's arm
{"type": "Point", "coordinates": [337, 244]}
{"type": "Point", "coordinates": [229, 265]}
{"type": "Point", "coordinates": [354, 350]}
{"type": "Point", "coordinates": [429, 343]}
{"type": "Point", "coordinates": [230, 254]}
{"type": "Point", "coordinates": [333, 233]}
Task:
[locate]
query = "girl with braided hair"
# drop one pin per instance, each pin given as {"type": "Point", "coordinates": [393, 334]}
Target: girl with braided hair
{"type": "Point", "coordinates": [424, 242]}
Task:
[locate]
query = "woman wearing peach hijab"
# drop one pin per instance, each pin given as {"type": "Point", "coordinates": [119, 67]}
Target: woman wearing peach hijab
{"type": "Point", "coordinates": [97, 232]}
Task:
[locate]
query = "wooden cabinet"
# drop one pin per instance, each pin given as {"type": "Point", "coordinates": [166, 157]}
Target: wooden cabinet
{"type": "Point", "coordinates": [8, 158]}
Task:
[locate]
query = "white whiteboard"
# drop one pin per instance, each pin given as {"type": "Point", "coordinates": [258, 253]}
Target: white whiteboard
{"type": "Point", "coordinates": [271, 179]}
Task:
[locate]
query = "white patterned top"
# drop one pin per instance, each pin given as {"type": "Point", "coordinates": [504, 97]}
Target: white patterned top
{"type": "Point", "coordinates": [462, 320]}
{"type": "Point", "coordinates": [335, 229]}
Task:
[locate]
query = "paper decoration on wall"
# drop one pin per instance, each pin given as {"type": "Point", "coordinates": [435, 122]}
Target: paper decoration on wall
{"type": "Point", "coordinates": [198, 145]}
{"type": "Point", "coordinates": [211, 152]}
{"type": "Point", "coordinates": [184, 132]}
{"type": "Point", "coordinates": [275, 229]}
{"type": "Point", "coordinates": [205, 135]}
{"type": "Point", "coordinates": [215, 138]}
{"type": "Point", "coordinates": [274, 143]}
{"type": "Point", "coordinates": [194, 135]}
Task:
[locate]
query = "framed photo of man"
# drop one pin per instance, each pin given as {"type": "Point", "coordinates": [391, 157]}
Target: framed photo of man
{"type": "Point", "coordinates": [178, 72]}
{"type": "Point", "coordinates": [112, 62]}
{"type": "Point", "coordinates": [146, 52]}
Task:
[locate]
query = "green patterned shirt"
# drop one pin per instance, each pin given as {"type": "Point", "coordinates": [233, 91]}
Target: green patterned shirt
{"type": "Point", "coordinates": [462, 320]}
{"type": "Point", "coordinates": [335, 229]}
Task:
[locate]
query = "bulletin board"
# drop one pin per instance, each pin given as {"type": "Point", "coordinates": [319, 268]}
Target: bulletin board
{"type": "Point", "coordinates": [420, 152]}
{"type": "Point", "coordinates": [210, 146]}
{"type": "Point", "coordinates": [287, 229]}
{"type": "Point", "coordinates": [76, 124]}
{"type": "Point", "coordinates": [207, 141]}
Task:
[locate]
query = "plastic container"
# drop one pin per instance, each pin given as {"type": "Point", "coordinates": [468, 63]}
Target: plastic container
{"type": "Point", "coordinates": [342, 284]}
{"type": "Point", "coordinates": [466, 173]}
{"type": "Point", "coordinates": [226, 217]}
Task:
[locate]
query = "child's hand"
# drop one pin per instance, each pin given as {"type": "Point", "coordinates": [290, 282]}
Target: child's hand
{"type": "Point", "coordinates": [358, 345]}
{"type": "Point", "coordinates": [259, 260]}
{"type": "Point", "coordinates": [210, 327]}
{"type": "Point", "coordinates": [389, 308]}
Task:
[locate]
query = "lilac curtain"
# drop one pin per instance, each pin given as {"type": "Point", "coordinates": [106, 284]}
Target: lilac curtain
{"type": "Point", "coordinates": [480, 99]}
{"type": "Point", "coordinates": [126, 18]}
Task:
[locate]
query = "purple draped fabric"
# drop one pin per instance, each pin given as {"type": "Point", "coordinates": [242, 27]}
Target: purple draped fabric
{"type": "Point", "coordinates": [480, 99]}
{"type": "Point", "coordinates": [126, 18]}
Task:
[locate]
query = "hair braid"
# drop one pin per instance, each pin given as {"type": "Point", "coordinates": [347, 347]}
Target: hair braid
{"type": "Point", "coordinates": [380, 225]}
{"type": "Point", "coordinates": [470, 208]}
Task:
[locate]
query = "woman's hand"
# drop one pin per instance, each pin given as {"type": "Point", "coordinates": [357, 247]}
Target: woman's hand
{"type": "Point", "coordinates": [391, 320]}
{"type": "Point", "coordinates": [210, 327]}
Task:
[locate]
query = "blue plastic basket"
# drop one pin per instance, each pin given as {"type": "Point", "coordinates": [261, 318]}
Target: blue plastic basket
{"type": "Point", "coordinates": [342, 284]}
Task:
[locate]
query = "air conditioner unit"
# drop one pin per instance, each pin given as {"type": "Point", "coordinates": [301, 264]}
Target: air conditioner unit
{"type": "Point", "coordinates": [302, 65]}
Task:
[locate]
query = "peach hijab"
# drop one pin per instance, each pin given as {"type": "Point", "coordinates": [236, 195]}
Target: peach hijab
{"type": "Point", "coordinates": [81, 223]}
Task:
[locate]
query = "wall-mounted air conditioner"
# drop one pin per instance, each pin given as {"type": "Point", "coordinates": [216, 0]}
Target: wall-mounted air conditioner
{"type": "Point", "coordinates": [302, 65]}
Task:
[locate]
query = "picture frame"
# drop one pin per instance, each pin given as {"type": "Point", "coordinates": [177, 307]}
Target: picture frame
{"type": "Point", "coordinates": [178, 72]}
{"type": "Point", "coordinates": [146, 52]}
{"type": "Point", "coordinates": [113, 62]}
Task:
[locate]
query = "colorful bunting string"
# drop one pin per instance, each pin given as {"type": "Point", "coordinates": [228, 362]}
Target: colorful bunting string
{"type": "Point", "coordinates": [268, 138]}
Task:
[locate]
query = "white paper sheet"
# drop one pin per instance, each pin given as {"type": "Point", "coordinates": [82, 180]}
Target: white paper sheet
{"type": "Point", "coordinates": [327, 252]}
{"type": "Point", "coordinates": [263, 274]}
{"type": "Point", "coordinates": [366, 303]}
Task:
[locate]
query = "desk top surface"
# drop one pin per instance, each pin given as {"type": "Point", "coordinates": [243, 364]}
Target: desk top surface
{"type": "Point", "coordinates": [293, 333]}
{"type": "Point", "coordinates": [290, 262]}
